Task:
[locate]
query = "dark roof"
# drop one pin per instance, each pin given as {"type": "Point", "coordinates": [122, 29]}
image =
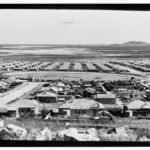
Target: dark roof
{"type": "Point", "coordinates": [47, 94]}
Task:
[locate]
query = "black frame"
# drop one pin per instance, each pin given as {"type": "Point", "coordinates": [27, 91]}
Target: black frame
{"type": "Point", "coordinates": [126, 7]}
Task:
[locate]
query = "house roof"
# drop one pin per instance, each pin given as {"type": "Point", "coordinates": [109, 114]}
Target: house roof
{"type": "Point", "coordinates": [112, 106]}
{"type": "Point", "coordinates": [105, 95]}
{"type": "Point", "coordinates": [146, 106]}
{"type": "Point", "coordinates": [45, 89]}
{"type": "Point", "coordinates": [90, 90]}
{"type": "Point", "coordinates": [136, 104]}
{"type": "Point", "coordinates": [46, 94]}
{"type": "Point", "coordinates": [82, 104]}
{"type": "Point", "coordinates": [3, 110]}
{"type": "Point", "coordinates": [9, 80]}
{"type": "Point", "coordinates": [56, 89]}
{"type": "Point", "coordinates": [21, 104]}
{"type": "Point", "coordinates": [60, 84]}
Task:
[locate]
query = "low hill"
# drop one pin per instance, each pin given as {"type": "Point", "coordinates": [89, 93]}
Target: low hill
{"type": "Point", "coordinates": [136, 43]}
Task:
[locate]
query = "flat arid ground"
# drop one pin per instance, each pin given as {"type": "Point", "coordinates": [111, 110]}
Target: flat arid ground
{"type": "Point", "coordinates": [72, 53]}
{"type": "Point", "coordinates": [129, 50]}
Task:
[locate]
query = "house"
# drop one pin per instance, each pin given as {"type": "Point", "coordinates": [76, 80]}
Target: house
{"type": "Point", "coordinates": [4, 86]}
{"type": "Point", "coordinates": [135, 107]}
{"type": "Point", "coordinates": [110, 103]}
{"type": "Point", "coordinates": [105, 98]}
{"type": "Point", "coordinates": [80, 107]}
{"type": "Point", "coordinates": [20, 107]}
{"type": "Point", "coordinates": [47, 97]}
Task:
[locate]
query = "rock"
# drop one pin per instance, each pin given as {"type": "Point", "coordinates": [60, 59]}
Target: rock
{"type": "Point", "coordinates": [126, 133]}
{"type": "Point", "coordinates": [144, 138]}
{"type": "Point", "coordinates": [72, 135]}
{"type": "Point", "coordinates": [33, 134]}
{"type": "Point", "coordinates": [45, 135]}
{"type": "Point", "coordinates": [93, 132]}
{"type": "Point", "coordinates": [20, 132]}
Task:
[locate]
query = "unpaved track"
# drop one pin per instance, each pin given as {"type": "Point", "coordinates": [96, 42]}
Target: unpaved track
{"type": "Point", "coordinates": [17, 93]}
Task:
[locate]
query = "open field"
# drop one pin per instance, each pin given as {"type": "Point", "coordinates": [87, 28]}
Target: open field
{"type": "Point", "coordinates": [53, 75]}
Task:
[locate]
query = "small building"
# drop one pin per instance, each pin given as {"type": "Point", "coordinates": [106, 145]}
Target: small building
{"type": "Point", "coordinates": [81, 107]}
{"type": "Point", "coordinates": [47, 97]}
{"type": "Point", "coordinates": [106, 98]}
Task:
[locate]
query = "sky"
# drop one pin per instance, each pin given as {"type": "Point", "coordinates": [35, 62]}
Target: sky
{"type": "Point", "coordinates": [73, 26]}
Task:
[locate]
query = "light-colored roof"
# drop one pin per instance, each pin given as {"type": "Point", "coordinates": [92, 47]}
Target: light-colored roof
{"type": "Point", "coordinates": [56, 89]}
{"type": "Point", "coordinates": [60, 84]}
{"type": "Point", "coordinates": [136, 104]}
{"type": "Point", "coordinates": [146, 106]}
{"type": "Point", "coordinates": [105, 96]}
{"type": "Point", "coordinates": [82, 104]}
{"type": "Point", "coordinates": [46, 94]}
{"type": "Point", "coordinates": [21, 104]}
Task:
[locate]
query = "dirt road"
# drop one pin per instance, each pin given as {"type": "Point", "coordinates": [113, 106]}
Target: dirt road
{"type": "Point", "coordinates": [17, 93]}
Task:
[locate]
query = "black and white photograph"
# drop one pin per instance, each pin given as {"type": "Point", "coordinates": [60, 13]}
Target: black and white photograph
{"type": "Point", "coordinates": [75, 73]}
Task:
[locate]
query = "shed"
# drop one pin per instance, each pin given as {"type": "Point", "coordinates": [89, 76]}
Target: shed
{"type": "Point", "coordinates": [106, 98]}
{"type": "Point", "coordinates": [47, 97]}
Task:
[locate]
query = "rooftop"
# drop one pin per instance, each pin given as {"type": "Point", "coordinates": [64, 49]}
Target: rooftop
{"type": "Point", "coordinates": [21, 104]}
{"type": "Point", "coordinates": [82, 104]}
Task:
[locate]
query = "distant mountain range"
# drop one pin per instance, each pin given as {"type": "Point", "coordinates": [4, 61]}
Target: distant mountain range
{"type": "Point", "coordinates": [132, 43]}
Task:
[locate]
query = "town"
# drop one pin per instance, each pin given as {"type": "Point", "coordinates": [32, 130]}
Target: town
{"type": "Point", "coordinates": [76, 102]}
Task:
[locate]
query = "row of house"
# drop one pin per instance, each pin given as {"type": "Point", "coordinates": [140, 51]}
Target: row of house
{"type": "Point", "coordinates": [81, 107]}
{"type": "Point", "coordinates": [66, 99]}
